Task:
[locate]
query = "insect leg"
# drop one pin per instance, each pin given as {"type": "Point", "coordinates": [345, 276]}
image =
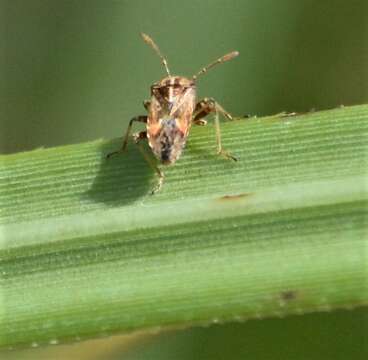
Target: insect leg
{"type": "Point", "coordinates": [146, 104]}
{"type": "Point", "coordinates": [141, 118]}
{"type": "Point", "coordinates": [137, 139]}
{"type": "Point", "coordinates": [205, 107]}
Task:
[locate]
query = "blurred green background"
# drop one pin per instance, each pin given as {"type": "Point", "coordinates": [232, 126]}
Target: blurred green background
{"type": "Point", "coordinates": [72, 71]}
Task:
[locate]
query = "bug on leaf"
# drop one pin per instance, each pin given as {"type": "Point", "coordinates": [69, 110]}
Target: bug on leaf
{"type": "Point", "coordinates": [172, 110]}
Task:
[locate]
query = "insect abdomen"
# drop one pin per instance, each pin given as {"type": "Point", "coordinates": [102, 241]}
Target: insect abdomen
{"type": "Point", "coordinates": [168, 143]}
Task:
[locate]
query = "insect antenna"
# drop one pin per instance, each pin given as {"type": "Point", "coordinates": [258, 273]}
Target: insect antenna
{"type": "Point", "coordinates": [221, 60]}
{"type": "Point", "coordinates": [153, 45]}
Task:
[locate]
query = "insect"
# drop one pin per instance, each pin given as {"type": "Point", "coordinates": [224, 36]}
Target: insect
{"type": "Point", "coordinates": [172, 110]}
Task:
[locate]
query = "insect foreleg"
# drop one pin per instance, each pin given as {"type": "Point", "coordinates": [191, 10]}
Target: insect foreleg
{"type": "Point", "coordinates": [141, 118]}
{"type": "Point", "coordinates": [205, 107]}
{"type": "Point", "coordinates": [220, 150]}
{"type": "Point", "coordinates": [137, 139]}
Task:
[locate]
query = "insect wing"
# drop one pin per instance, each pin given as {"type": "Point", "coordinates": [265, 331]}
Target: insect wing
{"type": "Point", "coordinates": [183, 109]}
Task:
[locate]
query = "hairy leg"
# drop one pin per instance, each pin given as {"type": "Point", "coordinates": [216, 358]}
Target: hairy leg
{"type": "Point", "coordinates": [138, 137]}
{"type": "Point", "coordinates": [141, 118]}
{"type": "Point", "coordinates": [205, 107]}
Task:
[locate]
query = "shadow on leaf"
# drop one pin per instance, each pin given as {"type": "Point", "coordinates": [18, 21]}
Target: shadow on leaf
{"type": "Point", "coordinates": [121, 179]}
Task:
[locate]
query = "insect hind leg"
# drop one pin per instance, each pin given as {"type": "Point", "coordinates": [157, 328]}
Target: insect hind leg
{"type": "Point", "coordinates": [141, 118]}
{"type": "Point", "coordinates": [138, 137]}
{"type": "Point", "coordinates": [205, 107]}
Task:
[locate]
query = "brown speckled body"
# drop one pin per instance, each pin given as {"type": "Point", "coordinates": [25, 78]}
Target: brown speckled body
{"type": "Point", "coordinates": [172, 110]}
{"type": "Point", "coordinates": [170, 115]}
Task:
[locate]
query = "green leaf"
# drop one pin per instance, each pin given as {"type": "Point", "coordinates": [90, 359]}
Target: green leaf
{"type": "Point", "coordinates": [86, 251]}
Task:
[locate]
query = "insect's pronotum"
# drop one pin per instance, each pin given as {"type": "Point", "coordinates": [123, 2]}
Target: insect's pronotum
{"type": "Point", "coordinates": [172, 110]}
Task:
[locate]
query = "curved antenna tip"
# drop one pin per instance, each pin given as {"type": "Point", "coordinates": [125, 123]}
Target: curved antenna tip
{"type": "Point", "coordinates": [231, 55]}
{"type": "Point", "coordinates": [145, 37]}
{"type": "Point", "coordinates": [221, 60]}
{"type": "Point", "coordinates": [153, 45]}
